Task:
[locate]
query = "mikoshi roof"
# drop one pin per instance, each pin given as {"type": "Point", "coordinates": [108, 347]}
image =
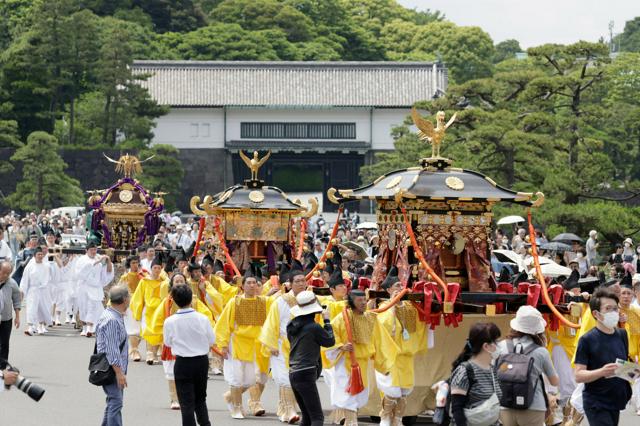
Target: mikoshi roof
{"type": "Point", "coordinates": [241, 197]}
{"type": "Point", "coordinates": [434, 184]}
{"type": "Point", "coordinates": [291, 84]}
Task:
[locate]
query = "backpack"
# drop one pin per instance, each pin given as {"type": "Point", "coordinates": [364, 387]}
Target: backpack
{"type": "Point", "coordinates": [517, 376]}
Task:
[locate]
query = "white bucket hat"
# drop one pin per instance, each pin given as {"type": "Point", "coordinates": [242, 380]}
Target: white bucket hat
{"type": "Point", "coordinates": [528, 320]}
{"type": "Point", "coordinates": [307, 304]}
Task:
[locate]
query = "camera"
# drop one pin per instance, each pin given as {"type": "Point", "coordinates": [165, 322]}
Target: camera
{"type": "Point", "coordinates": [50, 257]}
{"type": "Point", "coordinates": [33, 390]}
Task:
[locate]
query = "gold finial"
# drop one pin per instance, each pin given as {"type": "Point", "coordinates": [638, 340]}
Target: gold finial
{"type": "Point", "coordinates": [254, 163]}
{"type": "Point", "coordinates": [427, 132]}
{"type": "Point", "coordinates": [128, 165]}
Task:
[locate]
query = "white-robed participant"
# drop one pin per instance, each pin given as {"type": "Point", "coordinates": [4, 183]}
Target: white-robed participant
{"type": "Point", "coordinates": [35, 283]}
{"type": "Point", "coordinates": [92, 273]}
{"type": "Point", "coordinates": [61, 287]}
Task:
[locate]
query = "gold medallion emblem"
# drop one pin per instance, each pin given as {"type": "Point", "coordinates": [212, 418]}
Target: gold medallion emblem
{"type": "Point", "coordinates": [256, 196]}
{"type": "Point", "coordinates": [454, 183]}
{"type": "Point", "coordinates": [125, 195]}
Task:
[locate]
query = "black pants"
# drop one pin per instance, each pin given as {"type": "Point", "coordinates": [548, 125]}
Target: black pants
{"type": "Point", "coordinates": [191, 386]}
{"type": "Point", "coordinates": [305, 390]}
{"type": "Point", "coordinates": [600, 417]}
{"type": "Point", "coordinates": [5, 334]}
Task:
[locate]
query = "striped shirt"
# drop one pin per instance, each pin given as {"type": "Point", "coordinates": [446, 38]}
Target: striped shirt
{"type": "Point", "coordinates": [485, 383]}
{"type": "Point", "coordinates": [110, 334]}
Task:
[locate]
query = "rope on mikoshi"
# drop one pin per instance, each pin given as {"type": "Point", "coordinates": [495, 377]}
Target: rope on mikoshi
{"type": "Point", "coordinates": [223, 245]}
{"type": "Point", "coordinates": [327, 249]}
{"type": "Point", "coordinates": [543, 283]}
{"type": "Point", "coordinates": [356, 385]}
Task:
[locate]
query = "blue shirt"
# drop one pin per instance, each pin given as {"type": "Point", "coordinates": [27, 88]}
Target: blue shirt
{"type": "Point", "coordinates": [110, 334]}
{"type": "Point", "coordinates": [596, 349]}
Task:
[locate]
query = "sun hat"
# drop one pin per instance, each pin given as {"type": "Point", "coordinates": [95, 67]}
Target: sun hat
{"type": "Point", "coordinates": [528, 320]}
{"type": "Point", "coordinates": [307, 304]}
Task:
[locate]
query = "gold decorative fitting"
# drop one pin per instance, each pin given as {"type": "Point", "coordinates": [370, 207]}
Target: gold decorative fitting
{"type": "Point", "coordinates": [433, 135]}
{"type": "Point", "coordinates": [454, 183]}
{"type": "Point", "coordinates": [331, 195]}
{"type": "Point", "coordinates": [539, 200]}
{"type": "Point", "coordinates": [394, 182]}
{"type": "Point", "coordinates": [125, 195]}
{"type": "Point", "coordinates": [254, 163]}
{"type": "Point", "coordinates": [128, 165]}
{"type": "Point", "coordinates": [311, 210]}
{"type": "Point", "coordinates": [256, 196]}
{"type": "Point", "coordinates": [195, 201]}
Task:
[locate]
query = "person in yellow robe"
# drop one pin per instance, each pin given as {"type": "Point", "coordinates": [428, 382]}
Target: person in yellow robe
{"type": "Point", "coordinates": [410, 335]}
{"type": "Point", "coordinates": [371, 341]}
{"type": "Point", "coordinates": [214, 272]}
{"type": "Point", "coordinates": [274, 339]}
{"type": "Point", "coordinates": [203, 289]}
{"type": "Point", "coordinates": [131, 278]}
{"type": "Point", "coordinates": [237, 332]}
{"type": "Point", "coordinates": [154, 332]}
{"type": "Point", "coordinates": [144, 302]}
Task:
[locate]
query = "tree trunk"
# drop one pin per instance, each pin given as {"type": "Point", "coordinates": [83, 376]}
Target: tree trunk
{"type": "Point", "coordinates": [510, 167]}
{"type": "Point", "coordinates": [107, 113]}
{"type": "Point", "coordinates": [72, 121]}
{"type": "Point", "coordinates": [40, 192]}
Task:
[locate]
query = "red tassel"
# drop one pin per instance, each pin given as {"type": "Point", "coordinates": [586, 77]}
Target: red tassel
{"type": "Point", "coordinates": [356, 385]}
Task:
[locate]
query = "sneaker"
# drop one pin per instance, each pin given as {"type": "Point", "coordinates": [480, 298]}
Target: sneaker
{"type": "Point", "coordinates": [29, 332]}
{"type": "Point", "coordinates": [216, 371]}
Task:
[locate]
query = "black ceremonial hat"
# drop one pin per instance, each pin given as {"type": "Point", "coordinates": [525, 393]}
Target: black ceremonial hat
{"type": "Point", "coordinates": [391, 278]}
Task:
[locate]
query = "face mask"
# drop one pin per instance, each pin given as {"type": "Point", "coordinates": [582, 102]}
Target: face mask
{"type": "Point", "coordinates": [495, 354]}
{"type": "Point", "coordinates": [610, 319]}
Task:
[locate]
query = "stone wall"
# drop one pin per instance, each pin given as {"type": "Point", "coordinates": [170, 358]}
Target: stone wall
{"type": "Point", "coordinates": [207, 171]}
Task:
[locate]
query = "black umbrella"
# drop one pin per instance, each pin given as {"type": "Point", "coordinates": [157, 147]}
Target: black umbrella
{"type": "Point", "coordinates": [555, 246]}
{"type": "Point", "coordinates": [567, 237]}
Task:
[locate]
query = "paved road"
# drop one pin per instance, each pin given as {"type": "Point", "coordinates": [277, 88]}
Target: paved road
{"type": "Point", "coordinates": [58, 361]}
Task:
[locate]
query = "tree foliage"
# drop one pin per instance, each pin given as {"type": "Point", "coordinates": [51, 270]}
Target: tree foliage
{"type": "Point", "coordinates": [44, 183]}
{"type": "Point", "coordinates": [163, 172]}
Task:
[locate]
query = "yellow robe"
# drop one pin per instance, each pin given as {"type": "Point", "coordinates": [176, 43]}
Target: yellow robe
{"type": "Point", "coordinates": [154, 332]}
{"type": "Point", "coordinates": [270, 334]}
{"type": "Point", "coordinates": [394, 321]}
{"type": "Point", "coordinates": [244, 341]}
{"type": "Point", "coordinates": [566, 337]}
{"type": "Point", "coordinates": [334, 306]}
{"type": "Point", "coordinates": [227, 290]}
{"type": "Point", "coordinates": [146, 298]}
{"type": "Point", "coordinates": [131, 280]}
{"type": "Point", "coordinates": [215, 302]}
{"type": "Point", "coordinates": [378, 345]}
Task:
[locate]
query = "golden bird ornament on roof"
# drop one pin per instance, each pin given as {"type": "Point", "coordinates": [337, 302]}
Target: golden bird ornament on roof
{"type": "Point", "coordinates": [427, 132]}
{"type": "Point", "coordinates": [254, 163]}
{"type": "Point", "coordinates": [128, 165]}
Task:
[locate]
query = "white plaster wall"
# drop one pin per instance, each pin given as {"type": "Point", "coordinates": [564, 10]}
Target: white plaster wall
{"type": "Point", "coordinates": [191, 128]}
{"type": "Point", "coordinates": [383, 121]}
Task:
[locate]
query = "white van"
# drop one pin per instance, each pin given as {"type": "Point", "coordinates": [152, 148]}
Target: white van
{"type": "Point", "coordinates": [72, 212]}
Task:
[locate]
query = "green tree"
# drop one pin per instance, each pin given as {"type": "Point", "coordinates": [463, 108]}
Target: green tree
{"type": "Point", "coordinates": [506, 50]}
{"type": "Point", "coordinates": [467, 51]}
{"type": "Point", "coordinates": [128, 110]}
{"type": "Point", "coordinates": [569, 90]}
{"type": "Point", "coordinates": [629, 40]}
{"type": "Point", "coordinates": [163, 172]}
{"type": "Point", "coordinates": [44, 183]}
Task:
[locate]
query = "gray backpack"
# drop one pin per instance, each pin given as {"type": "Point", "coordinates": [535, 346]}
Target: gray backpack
{"type": "Point", "coordinates": [517, 376]}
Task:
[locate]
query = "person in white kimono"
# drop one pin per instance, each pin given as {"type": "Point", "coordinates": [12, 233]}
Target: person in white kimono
{"type": "Point", "coordinates": [35, 286]}
{"type": "Point", "coordinates": [61, 288]}
{"type": "Point", "coordinates": [92, 273]}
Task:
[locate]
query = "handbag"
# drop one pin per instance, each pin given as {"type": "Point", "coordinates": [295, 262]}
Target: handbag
{"type": "Point", "coordinates": [101, 373]}
{"type": "Point", "coordinates": [486, 413]}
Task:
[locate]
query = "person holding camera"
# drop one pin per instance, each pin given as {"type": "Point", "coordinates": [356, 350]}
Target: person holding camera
{"type": "Point", "coordinates": [9, 378]}
{"type": "Point", "coordinates": [10, 301]}
{"type": "Point", "coordinates": [111, 339]}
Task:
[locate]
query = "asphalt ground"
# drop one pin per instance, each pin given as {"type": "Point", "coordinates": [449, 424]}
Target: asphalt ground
{"type": "Point", "coordinates": [58, 362]}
